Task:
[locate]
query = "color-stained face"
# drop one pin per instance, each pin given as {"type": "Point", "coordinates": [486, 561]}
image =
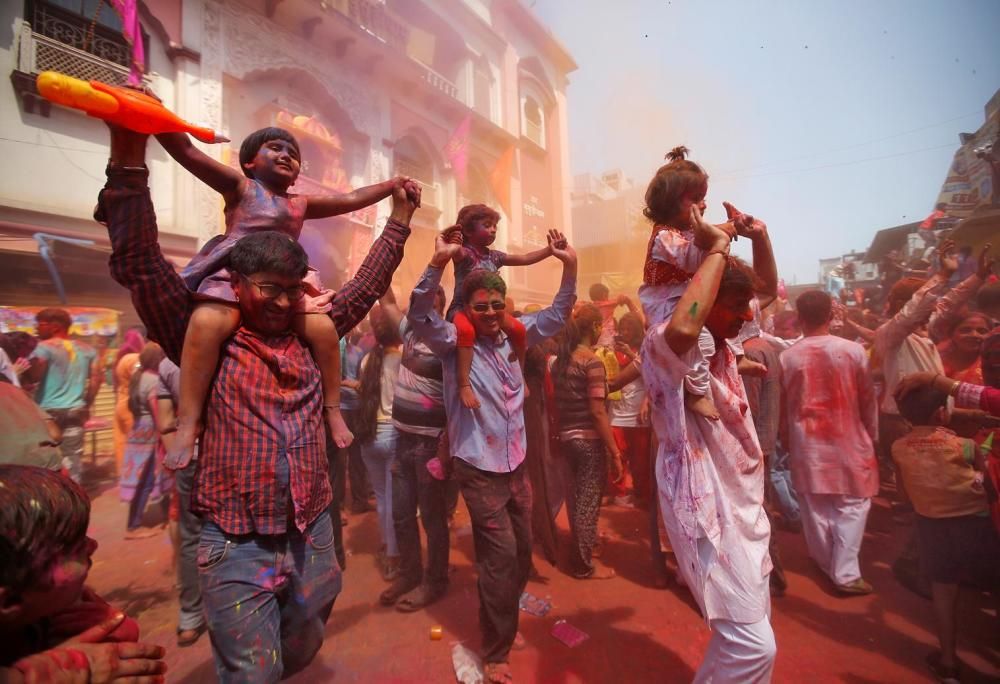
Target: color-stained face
{"type": "Point", "coordinates": [64, 584]}
{"type": "Point", "coordinates": [631, 332]}
{"type": "Point", "coordinates": [728, 315]}
{"type": "Point", "coordinates": [276, 163]}
{"type": "Point", "coordinates": [968, 336]}
{"type": "Point", "coordinates": [482, 233]}
{"type": "Point", "coordinates": [267, 301]}
{"type": "Point", "coordinates": [485, 309]}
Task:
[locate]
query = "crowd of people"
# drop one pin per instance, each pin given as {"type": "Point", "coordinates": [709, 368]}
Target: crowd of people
{"type": "Point", "coordinates": [713, 404]}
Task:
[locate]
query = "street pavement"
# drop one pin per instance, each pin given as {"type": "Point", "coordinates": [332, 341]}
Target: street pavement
{"type": "Point", "coordinates": [637, 633]}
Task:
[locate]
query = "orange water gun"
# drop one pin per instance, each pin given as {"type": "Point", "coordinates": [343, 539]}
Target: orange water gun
{"type": "Point", "coordinates": [123, 107]}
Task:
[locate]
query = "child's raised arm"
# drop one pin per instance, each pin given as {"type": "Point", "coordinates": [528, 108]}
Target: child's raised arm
{"type": "Point", "coordinates": [527, 259]}
{"type": "Point", "coordinates": [321, 206]}
{"type": "Point", "coordinates": [225, 180]}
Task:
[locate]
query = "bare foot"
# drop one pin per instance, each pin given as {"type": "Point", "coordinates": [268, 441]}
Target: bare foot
{"type": "Point", "coordinates": [751, 368]}
{"type": "Point", "coordinates": [342, 436]}
{"type": "Point", "coordinates": [497, 673]}
{"type": "Point", "coordinates": [142, 533]}
{"type": "Point", "coordinates": [468, 398]}
{"type": "Point", "coordinates": [701, 405]}
{"type": "Point", "coordinates": [600, 572]}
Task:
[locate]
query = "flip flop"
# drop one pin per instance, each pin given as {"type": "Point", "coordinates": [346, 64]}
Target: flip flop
{"type": "Point", "coordinates": [419, 598]}
{"type": "Point", "coordinates": [190, 640]}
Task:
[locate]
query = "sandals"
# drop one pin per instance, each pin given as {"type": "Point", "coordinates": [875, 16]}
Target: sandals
{"type": "Point", "coordinates": [498, 673]}
{"type": "Point", "coordinates": [419, 598]}
{"type": "Point", "coordinates": [399, 588]}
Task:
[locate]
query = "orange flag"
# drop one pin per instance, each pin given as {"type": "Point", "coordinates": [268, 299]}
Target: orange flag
{"type": "Point", "coordinates": [500, 178]}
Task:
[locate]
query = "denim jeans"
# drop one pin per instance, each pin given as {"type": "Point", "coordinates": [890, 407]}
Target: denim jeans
{"type": "Point", "coordinates": [192, 612]}
{"type": "Point", "coordinates": [378, 455]}
{"type": "Point", "coordinates": [267, 598]}
{"type": "Point", "coordinates": [413, 487]}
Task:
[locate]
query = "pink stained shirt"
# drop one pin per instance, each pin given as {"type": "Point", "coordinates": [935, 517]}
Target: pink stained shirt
{"type": "Point", "coordinates": [711, 481]}
{"type": "Point", "coordinates": [832, 414]}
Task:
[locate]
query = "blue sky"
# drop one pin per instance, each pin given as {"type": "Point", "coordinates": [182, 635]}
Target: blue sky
{"type": "Point", "coordinates": [829, 120]}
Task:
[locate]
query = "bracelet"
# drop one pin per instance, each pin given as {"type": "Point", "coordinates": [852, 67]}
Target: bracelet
{"type": "Point", "coordinates": [954, 388]}
{"type": "Point", "coordinates": [331, 406]}
{"type": "Point", "coordinates": [723, 252]}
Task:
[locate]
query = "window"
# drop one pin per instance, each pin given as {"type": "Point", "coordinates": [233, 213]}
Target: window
{"type": "Point", "coordinates": [89, 25]}
{"type": "Point", "coordinates": [534, 122]}
{"type": "Point", "coordinates": [411, 159]}
{"type": "Point", "coordinates": [482, 89]}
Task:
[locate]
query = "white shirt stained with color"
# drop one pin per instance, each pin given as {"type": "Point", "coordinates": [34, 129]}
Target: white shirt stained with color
{"type": "Point", "coordinates": [711, 482]}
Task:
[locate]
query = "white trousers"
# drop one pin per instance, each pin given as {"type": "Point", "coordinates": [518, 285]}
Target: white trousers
{"type": "Point", "coordinates": [738, 653]}
{"type": "Point", "coordinates": [834, 526]}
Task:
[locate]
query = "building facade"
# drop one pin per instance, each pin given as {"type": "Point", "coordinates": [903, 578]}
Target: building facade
{"type": "Point", "coordinates": [610, 230]}
{"type": "Point", "coordinates": [370, 89]}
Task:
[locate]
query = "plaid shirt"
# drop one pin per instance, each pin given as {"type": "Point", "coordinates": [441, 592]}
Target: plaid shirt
{"type": "Point", "coordinates": [266, 400]}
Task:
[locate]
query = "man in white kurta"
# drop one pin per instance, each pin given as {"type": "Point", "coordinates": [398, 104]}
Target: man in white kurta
{"type": "Point", "coordinates": [710, 476]}
{"type": "Point", "coordinates": [832, 418]}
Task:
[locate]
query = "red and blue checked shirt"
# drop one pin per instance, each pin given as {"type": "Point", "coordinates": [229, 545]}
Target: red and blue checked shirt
{"type": "Point", "coordinates": [262, 457]}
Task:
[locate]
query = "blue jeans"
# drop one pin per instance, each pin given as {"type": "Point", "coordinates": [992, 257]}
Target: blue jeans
{"type": "Point", "coordinates": [378, 455]}
{"type": "Point", "coordinates": [267, 598]}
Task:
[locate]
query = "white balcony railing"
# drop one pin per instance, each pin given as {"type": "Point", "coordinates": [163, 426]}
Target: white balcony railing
{"type": "Point", "coordinates": [40, 53]}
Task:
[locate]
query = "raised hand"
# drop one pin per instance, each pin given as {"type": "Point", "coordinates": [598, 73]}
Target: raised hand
{"type": "Point", "coordinates": [447, 246]}
{"type": "Point", "coordinates": [712, 237]}
{"type": "Point", "coordinates": [560, 247]}
{"type": "Point", "coordinates": [745, 224]}
{"type": "Point", "coordinates": [949, 260]}
{"type": "Point", "coordinates": [984, 265]}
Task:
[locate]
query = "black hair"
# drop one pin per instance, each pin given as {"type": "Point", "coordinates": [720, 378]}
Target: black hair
{"type": "Point", "coordinates": [583, 319]}
{"type": "Point", "coordinates": [919, 405]}
{"type": "Point", "coordinates": [814, 308]}
{"type": "Point", "coordinates": [252, 143]}
{"type": "Point", "coordinates": [672, 182]}
{"type": "Point", "coordinates": [481, 279]}
{"type": "Point", "coordinates": [18, 344]}
{"type": "Point", "coordinates": [269, 251]}
{"type": "Point", "coordinates": [42, 516]}
{"type": "Point", "coordinates": [370, 388]}
{"type": "Point", "coordinates": [739, 279]}
{"type": "Point", "coordinates": [472, 213]}
{"type": "Point", "coordinates": [599, 292]}
{"type": "Point", "coordinates": [988, 297]}
{"type": "Point", "coordinates": [60, 317]}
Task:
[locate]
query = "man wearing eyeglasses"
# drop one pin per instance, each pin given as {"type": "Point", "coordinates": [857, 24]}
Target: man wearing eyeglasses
{"type": "Point", "coordinates": [266, 560]}
{"type": "Point", "coordinates": [488, 444]}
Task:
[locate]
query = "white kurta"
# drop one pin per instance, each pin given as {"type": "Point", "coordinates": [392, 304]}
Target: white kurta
{"type": "Point", "coordinates": [711, 483]}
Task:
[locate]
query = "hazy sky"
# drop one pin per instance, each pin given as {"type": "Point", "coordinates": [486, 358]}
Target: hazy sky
{"type": "Point", "coordinates": [829, 120]}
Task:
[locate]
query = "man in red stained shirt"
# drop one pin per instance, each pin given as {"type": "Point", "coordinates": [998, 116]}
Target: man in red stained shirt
{"type": "Point", "coordinates": [266, 560]}
{"type": "Point", "coordinates": [831, 416]}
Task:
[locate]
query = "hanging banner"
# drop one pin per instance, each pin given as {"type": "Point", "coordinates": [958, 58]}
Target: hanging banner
{"type": "Point", "coordinates": [87, 320]}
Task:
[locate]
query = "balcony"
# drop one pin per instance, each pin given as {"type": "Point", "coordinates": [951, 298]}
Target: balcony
{"type": "Point", "coordinates": [57, 40]}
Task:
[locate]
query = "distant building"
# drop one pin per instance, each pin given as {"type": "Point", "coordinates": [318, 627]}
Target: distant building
{"type": "Point", "coordinates": [371, 88]}
{"type": "Point", "coordinates": [610, 231]}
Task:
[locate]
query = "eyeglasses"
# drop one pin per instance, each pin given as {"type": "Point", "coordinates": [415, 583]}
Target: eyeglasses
{"type": "Point", "coordinates": [483, 307]}
{"type": "Point", "coordinates": [272, 291]}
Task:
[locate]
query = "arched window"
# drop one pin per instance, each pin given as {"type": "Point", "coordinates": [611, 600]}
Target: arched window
{"type": "Point", "coordinates": [411, 158]}
{"type": "Point", "coordinates": [533, 121]}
